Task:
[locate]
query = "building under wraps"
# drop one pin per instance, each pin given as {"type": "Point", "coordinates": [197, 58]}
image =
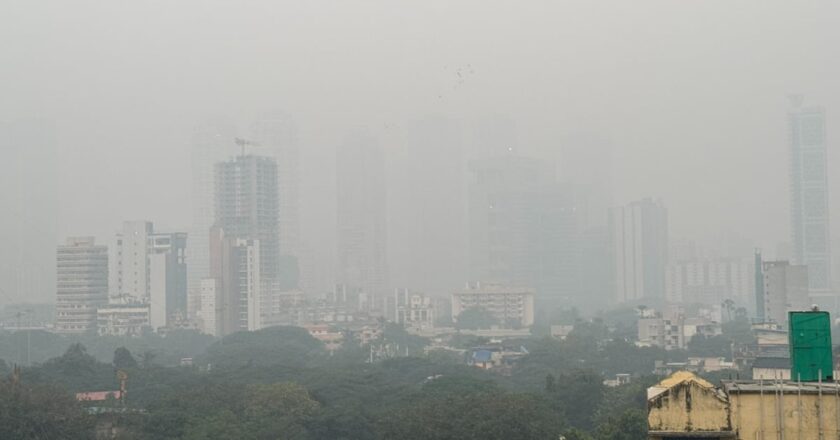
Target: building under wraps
{"type": "Point", "coordinates": [684, 406]}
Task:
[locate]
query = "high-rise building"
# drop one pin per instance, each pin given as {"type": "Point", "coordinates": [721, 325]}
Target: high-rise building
{"type": "Point", "coordinates": [810, 223]}
{"type": "Point", "coordinates": [523, 228]}
{"type": "Point", "coordinates": [245, 259]}
{"type": "Point", "coordinates": [361, 217]}
{"type": "Point", "coordinates": [247, 207]}
{"type": "Point", "coordinates": [212, 142]}
{"type": "Point", "coordinates": [639, 241]}
{"type": "Point", "coordinates": [276, 136]}
{"type": "Point", "coordinates": [238, 289]}
{"type": "Point", "coordinates": [29, 194]}
{"type": "Point", "coordinates": [149, 268]}
{"type": "Point", "coordinates": [785, 290]}
{"type": "Point", "coordinates": [82, 274]}
{"type": "Point", "coordinates": [427, 216]}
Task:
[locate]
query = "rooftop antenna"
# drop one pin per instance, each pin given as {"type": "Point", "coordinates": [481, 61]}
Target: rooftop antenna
{"type": "Point", "coordinates": [244, 142]}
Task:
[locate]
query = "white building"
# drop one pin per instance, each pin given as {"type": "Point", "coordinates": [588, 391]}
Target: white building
{"type": "Point", "coordinates": [123, 319]}
{"type": "Point", "coordinates": [639, 239]}
{"type": "Point", "coordinates": [150, 268]}
{"type": "Point", "coordinates": [414, 310]}
{"type": "Point", "coordinates": [209, 317]}
{"type": "Point", "coordinates": [82, 287]}
{"type": "Point", "coordinates": [785, 289]}
{"type": "Point", "coordinates": [235, 265]}
{"type": "Point", "coordinates": [672, 330]}
{"type": "Point", "coordinates": [509, 305]}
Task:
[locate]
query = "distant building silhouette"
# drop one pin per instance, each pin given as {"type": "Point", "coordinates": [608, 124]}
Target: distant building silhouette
{"type": "Point", "coordinates": [361, 217]}
{"type": "Point", "coordinates": [29, 194]}
{"type": "Point", "coordinates": [810, 221]}
{"type": "Point", "coordinates": [523, 228]}
{"type": "Point", "coordinates": [639, 237]}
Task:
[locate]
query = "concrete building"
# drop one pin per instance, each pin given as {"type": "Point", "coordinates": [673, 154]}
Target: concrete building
{"type": "Point", "coordinates": [125, 319]}
{"type": "Point", "coordinates": [511, 306]}
{"type": "Point", "coordinates": [809, 196]}
{"type": "Point", "coordinates": [82, 287]}
{"type": "Point", "coordinates": [785, 289]}
{"type": "Point", "coordinates": [684, 406]}
{"type": "Point", "coordinates": [673, 330]}
{"type": "Point", "coordinates": [247, 207]}
{"type": "Point", "coordinates": [209, 312]}
{"type": "Point", "coordinates": [212, 142]}
{"type": "Point", "coordinates": [523, 228]}
{"type": "Point", "coordinates": [639, 241]}
{"type": "Point", "coordinates": [362, 217]}
{"type": "Point", "coordinates": [238, 285]}
{"type": "Point", "coordinates": [29, 194]}
{"type": "Point", "coordinates": [414, 310]}
{"type": "Point", "coordinates": [709, 281]}
{"type": "Point", "coordinates": [149, 267]}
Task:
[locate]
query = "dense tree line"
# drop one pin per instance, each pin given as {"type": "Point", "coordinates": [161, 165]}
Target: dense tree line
{"type": "Point", "coordinates": [282, 383]}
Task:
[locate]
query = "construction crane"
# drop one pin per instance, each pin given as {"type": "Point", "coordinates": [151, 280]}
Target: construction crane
{"type": "Point", "coordinates": [245, 142]}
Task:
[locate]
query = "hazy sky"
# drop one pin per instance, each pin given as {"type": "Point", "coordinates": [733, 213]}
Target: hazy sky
{"type": "Point", "coordinates": [692, 94]}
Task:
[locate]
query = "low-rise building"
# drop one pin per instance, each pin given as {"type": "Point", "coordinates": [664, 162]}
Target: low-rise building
{"type": "Point", "coordinates": [673, 330]}
{"type": "Point", "coordinates": [123, 319]}
{"type": "Point", "coordinates": [414, 310]}
{"type": "Point", "coordinates": [684, 406]}
{"type": "Point", "coordinates": [331, 338]}
{"type": "Point", "coordinates": [511, 306]}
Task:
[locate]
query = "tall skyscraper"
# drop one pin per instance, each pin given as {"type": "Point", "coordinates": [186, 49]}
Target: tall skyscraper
{"type": "Point", "coordinates": [245, 260]}
{"type": "Point", "coordinates": [29, 196]}
{"type": "Point", "coordinates": [639, 238]}
{"type": "Point", "coordinates": [149, 267]}
{"type": "Point", "coordinates": [247, 207]}
{"type": "Point", "coordinates": [810, 225]}
{"type": "Point", "coordinates": [212, 142]}
{"type": "Point", "coordinates": [82, 273]}
{"type": "Point", "coordinates": [361, 216]}
{"type": "Point", "coordinates": [427, 230]}
{"type": "Point", "coordinates": [276, 136]}
{"type": "Point", "coordinates": [523, 228]}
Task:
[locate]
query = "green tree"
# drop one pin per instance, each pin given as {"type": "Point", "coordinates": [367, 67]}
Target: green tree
{"type": "Point", "coordinates": [41, 412]}
{"type": "Point", "coordinates": [475, 318]}
{"type": "Point", "coordinates": [123, 359]}
{"type": "Point", "coordinates": [630, 425]}
{"type": "Point", "coordinates": [474, 416]}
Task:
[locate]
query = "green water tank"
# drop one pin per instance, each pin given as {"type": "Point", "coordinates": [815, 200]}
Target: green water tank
{"type": "Point", "coordinates": [810, 346]}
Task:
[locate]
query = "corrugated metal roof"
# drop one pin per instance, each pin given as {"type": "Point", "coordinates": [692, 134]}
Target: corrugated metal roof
{"type": "Point", "coordinates": [676, 379]}
{"type": "Point", "coordinates": [787, 387]}
{"type": "Point", "coordinates": [772, 362]}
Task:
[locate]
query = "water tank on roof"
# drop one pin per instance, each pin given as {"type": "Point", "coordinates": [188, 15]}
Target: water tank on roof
{"type": "Point", "coordinates": [810, 346]}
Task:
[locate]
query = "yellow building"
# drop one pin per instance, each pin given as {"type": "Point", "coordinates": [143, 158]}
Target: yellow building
{"type": "Point", "coordinates": [684, 406]}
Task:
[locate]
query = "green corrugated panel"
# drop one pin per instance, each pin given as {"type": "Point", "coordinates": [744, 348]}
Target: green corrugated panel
{"type": "Point", "coordinates": [810, 346]}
